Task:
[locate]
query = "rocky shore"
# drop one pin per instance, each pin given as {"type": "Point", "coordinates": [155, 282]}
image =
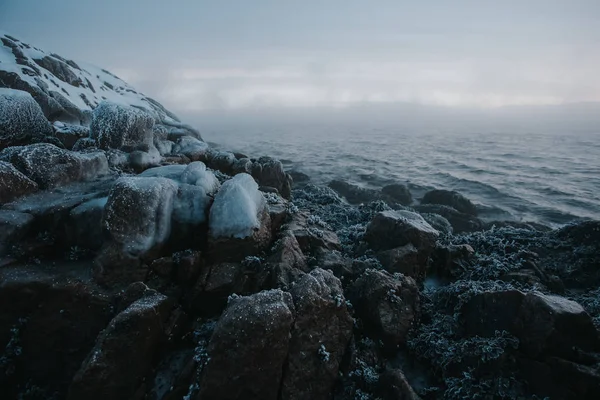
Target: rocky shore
{"type": "Point", "coordinates": [139, 262]}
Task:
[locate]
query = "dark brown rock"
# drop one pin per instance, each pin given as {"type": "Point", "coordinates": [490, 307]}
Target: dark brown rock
{"type": "Point", "coordinates": [269, 172]}
{"type": "Point", "coordinates": [451, 199]}
{"type": "Point", "coordinates": [13, 226]}
{"type": "Point", "coordinates": [13, 183]}
{"type": "Point", "coordinates": [391, 229]}
{"type": "Point", "coordinates": [406, 260]}
{"type": "Point", "coordinates": [311, 237]}
{"type": "Point", "coordinates": [398, 193]}
{"type": "Point", "coordinates": [394, 386]}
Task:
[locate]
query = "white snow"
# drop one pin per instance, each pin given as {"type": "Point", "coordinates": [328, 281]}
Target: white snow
{"type": "Point", "coordinates": [190, 146]}
{"type": "Point", "coordinates": [237, 207]}
{"type": "Point", "coordinates": [197, 174]}
{"type": "Point", "coordinates": [191, 205]}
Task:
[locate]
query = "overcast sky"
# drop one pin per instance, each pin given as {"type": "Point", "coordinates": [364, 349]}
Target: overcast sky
{"type": "Point", "coordinates": [199, 55]}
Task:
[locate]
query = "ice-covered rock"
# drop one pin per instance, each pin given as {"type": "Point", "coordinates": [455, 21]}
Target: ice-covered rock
{"type": "Point", "coordinates": [21, 119]}
{"type": "Point", "coordinates": [13, 183]}
{"type": "Point", "coordinates": [196, 174]}
{"type": "Point", "coordinates": [237, 208]}
{"type": "Point", "coordinates": [115, 126]}
{"type": "Point", "coordinates": [69, 134]}
{"type": "Point", "coordinates": [140, 160]}
{"type": "Point", "coordinates": [50, 166]}
{"type": "Point", "coordinates": [192, 148]}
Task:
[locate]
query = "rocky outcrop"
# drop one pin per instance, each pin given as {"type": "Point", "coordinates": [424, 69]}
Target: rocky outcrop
{"type": "Point", "coordinates": [398, 193]}
{"type": "Point", "coordinates": [253, 331]}
{"type": "Point", "coordinates": [269, 172]}
{"type": "Point", "coordinates": [13, 226]}
{"type": "Point", "coordinates": [353, 193]}
{"type": "Point", "coordinates": [387, 304]}
{"type": "Point", "coordinates": [118, 127]}
{"type": "Point", "coordinates": [50, 166]}
{"type": "Point", "coordinates": [451, 199]}
{"type": "Point", "coordinates": [21, 119]}
{"type": "Point", "coordinates": [13, 183]}
{"type": "Point", "coordinates": [461, 222]}
{"type": "Point", "coordinates": [391, 229]}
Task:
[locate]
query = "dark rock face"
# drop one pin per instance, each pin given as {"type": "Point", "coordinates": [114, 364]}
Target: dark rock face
{"type": "Point", "coordinates": [253, 331]}
{"type": "Point", "coordinates": [394, 386]}
{"type": "Point", "coordinates": [398, 193]}
{"type": "Point", "coordinates": [353, 193]}
{"type": "Point", "coordinates": [21, 119]}
{"type": "Point", "coordinates": [391, 229]}
{"type": "Point", "coordinates": [60, 69]}
{"type": "Point", "coordinates": [269, 172]}
{"type": "Point", "coordinates": [451, 199]}
{"type": "Point", "coordinates": [388, 304]}
{"type": "Point", "coordinates": [136, 222]}
{"type": "Point", "coordinates": [124, 352]}
{"type": "Point", "coordinates": [407, 260]}
{"type": "Point", "coordinates": [69, 134]}
{"type": "Point", "coordinates": [115, 126]}
{"type": "Point", "coordinates": [13, 226]}
{"type": "Point", "coordinates": [13, 183]}
{"type": "Point", "coordinates": [460, 222]}
{"type": "Point", "coordinates": [298, 177]}
{"type": "Point", "coordinates": [311, 236]}
{"type": "Point", "coordinates": [320, 335]}
{"type": "Point", "coordinates": [84, 225]}
{"type": "Point", "coordinates": [50, 166]}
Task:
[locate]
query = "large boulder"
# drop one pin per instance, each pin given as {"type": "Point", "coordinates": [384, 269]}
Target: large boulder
{"type": "Point", "coordinates": [21, 119]}
{"type": "Point", "coordinates": [353, 193]}
{"type": "Point", "coordinates": [115, 126]}
{"type": "Point", "coordinates": [397, 193]}
{"type": "Point", "coordinates": [50, 166]}
{"type": "Point", "coordinates": [269, 172]}
{"type": "Point", "coordinates": [460, 222]}
{"type": "Point", "coordinates": [320, 335]}
{"type": "Point", "coordinates": [391, 229]}
{"type": "Point", "coordinates": [249, 347]}
{"type": "Point", "coordinates": [13, 183]}
{"type": "Point", "coordinates": [124, 352]}
{"type": "Point", "coordinates": [451, 199]}
{"type": "Point", "coordinates": [311, 236]}
{"type": "Point", "coordinates": [239, 222]}
{"type": "Point", "coordinates": [13, 226]}
{"type": "Point", "coordinates": [136, 223]}
{"type": "Point", "coordinates": [84, 224]}
{"type": "Point", "coordinates": [387, 304]}
{"type": "Point", "coordinates": [407, 260]}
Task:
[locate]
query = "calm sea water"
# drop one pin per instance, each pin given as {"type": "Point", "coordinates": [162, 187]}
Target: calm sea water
{"type": "Point", "coordinates": [552, 178]}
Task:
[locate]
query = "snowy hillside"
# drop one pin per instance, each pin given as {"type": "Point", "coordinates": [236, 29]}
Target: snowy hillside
{"type": "Point", "coordinates": [66, 90]}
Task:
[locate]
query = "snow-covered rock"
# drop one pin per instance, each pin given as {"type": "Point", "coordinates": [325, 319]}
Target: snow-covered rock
{"type": "Point", "coordinates": [50, 166]}
{"type": "Point", "coordinates": [21, 119]}
{"type": "Point", "coordinates": [196, 174]}
{"type": "Point", "coordinates": [69, 134]}
{"type": "Point", "coordinates": [116, 127]}
{"type": "Point", "coordinates": [13, 183]}
{"type": "Point", "coordinates": [237, 208]}
{"type": "Point", "coordinates": [192, 148]}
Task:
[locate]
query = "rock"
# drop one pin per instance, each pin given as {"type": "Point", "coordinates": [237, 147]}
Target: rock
{"type": "Point", "coordinates": [333, 260]}
{"type": "Point", "coordinates": [50, 166]}
{"type": "Point", "coordinates": [394, 386]}
{"type": "Point", "coordinates": [391, 229]}
{"type": "Point", "coordinates": [115, 126]}
{"type": "Point", "coordinates": [320, 335]}
{"type": "Point", "coordinates": [253, 331]}
{"type": "Point", "coordinates": [192, 148]}
{"type": "Point", "coordinates": [84, 226]}
{"type": "Point", "coordinates": [398, 193]}
{"type": "Point", "coordinates": [139, 161]}
{"type": "Point", "coordinates": [451, 199]}
{"type": "Point", "coordinates": [554, 325]}
{"type": "Point", "coordinates": [446, 260]}
{"type": "Point", "coordinates": [136, 222]}
{"type": "Point", "coordinates": [439, 223]}
{"type": "Point", "coordinates": [285, 265]}
{"type": "Point", "coordinates": [239, 222]}
{"type": "Point", "coordinates": [223, 161]}
{"type": "Point", "coordinates": [242, 165]}
{"type": "Point", "coordinates": [59, 69]}
{"type": "Point", "coordinates": [407, 260]}
{"type": "Point", "coordinates": [57, 315]}
{"type": "Point", "coordinates": [13, 183]}
{"type": "Point", "coordinates": [69, 114]}
{"type": "Point", "coordinates": [13, 226]}
{"type": "Point", "coordinates": [586, 232]}
{"type": "Point", "coordinates": [278, 212]}
{"type": "Point", "coordinates": [460, 222]}
{"type": "Point", "coordinates": [85, 144]}
{"type": "Point", "coordinates": [124, 352]}
{"type": "Point", "coordinates": [311, 237]}
{"type": "Point", "coordinates": [269, 172]}
{"type": "Point", "coordinates": [21, 119]}
{"type": "Point", "coordinates": [387, 304]}
{"type": "Point", "coordinates": [488, 312]}
{"type": "Point", "coordinates": [298, 177]}
{"type": "Point", "coordinates": [69, 134]}
{"type": "Point", "coordinates": [353, 193]}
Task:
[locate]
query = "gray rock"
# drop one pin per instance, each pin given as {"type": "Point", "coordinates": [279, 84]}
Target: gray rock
{"type": "Point", "coordinates": [398, 193]}
{"type": "Point", "coordinates": [115, 126]}
{"type": "Point", "coordinates": [391, 229]}
{"type": "Point", "coordinates": [451, 199]}
{"type": "Point", "coordinates": [13, 183]}
{"type": "Point", "coordinates": [21, 119]}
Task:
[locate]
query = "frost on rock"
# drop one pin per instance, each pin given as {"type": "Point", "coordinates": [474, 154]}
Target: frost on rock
{"type": "Point", "coordinates": [190, 205]}
{"type": "Point", "coordinates": [138, 213]}
{"type": "Point", "coordinates": [13, 183]}
{"type": "Point", "coordinates": [50, 166]}
{"type": "Point", "coordinates": [190, 147]}
{"type": "Point", "coordinates": [237, 206]}
{"type": "Point", "coordinates": [21, 119]}
{"type": "Point", "coordinates": [115, 126]}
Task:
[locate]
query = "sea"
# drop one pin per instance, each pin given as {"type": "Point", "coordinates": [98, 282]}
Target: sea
{"type": "Point", "coordinates": [551, 178]}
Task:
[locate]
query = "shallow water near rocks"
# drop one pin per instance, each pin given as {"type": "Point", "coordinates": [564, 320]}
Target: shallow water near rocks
{"type": "Point", "coordinates": [551, 178]}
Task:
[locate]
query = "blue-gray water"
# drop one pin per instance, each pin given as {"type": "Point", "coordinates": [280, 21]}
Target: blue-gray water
{"type": "Point", "coordinates": [552, 178]}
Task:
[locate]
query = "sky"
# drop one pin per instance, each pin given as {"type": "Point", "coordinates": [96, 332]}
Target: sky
{"type": "Point", "coordinates": [245, 55]}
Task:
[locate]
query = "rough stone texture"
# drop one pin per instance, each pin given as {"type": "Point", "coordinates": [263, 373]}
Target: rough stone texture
{"type": "Point", "coordinates": [298, 177]}
{"type": "Point", "coordinates": [249, 347]}
{"type": "Point", "coordinates": [388, 304]}
{"type": "Point", "coordinates": [394, 386]}
{"type": "Point", "coordinates": [554, 325]}
{"type": "Point", "coordinates": [398, 193]}
{"type": "Point", "coordinates": [407, 260]}
{"type": "Point", "coordinates": [391, 229]}
{"type": "Point", "coordinates": [451, 259]}
{"type": "Point", "coordinates": [50, 166]}
{"type": "Point", "coordinates": [311, 237]}
{"type": "Point", "coordinates": [21, 119]}
{"type": "Point", "coordinates": [452, 199]}
{"type": "Point", "coordinates": [61, 314]}
{"type": "Point", "coordinates": [488, 312]}
{"type": "Point", "coordinates": [333, 260]}
{"type": "Point", "coordinates": [69, 134]}
{"type": "Point", "coordinates": [460, 222]}
{"type": "Point", "coordinates": [13, 226]}
{"type": "Point", "coordinates": [353, 193]}
{"type": "Point", "coordinates": [136, 223]}
{"type": "Point", "coordinates": [13, 183]}
{"type": "Point", "coordinates": [60, 69]}
{"type": "Point", "coordinates": [320, 335]}
{"type": "Point", "coordinates": [124, 352]}
{"type": "Point", "coordinates": [269, 172]}
{"type": "Point", "coordinates": [115, 126]}
{"type": "Point", "coordinates": [84, 225]}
